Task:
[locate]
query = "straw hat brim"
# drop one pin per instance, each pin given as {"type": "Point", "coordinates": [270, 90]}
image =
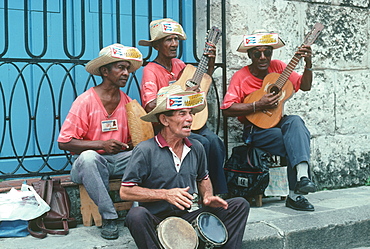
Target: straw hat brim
{"type": "Point", "coordinates": [149, 43]}
{"type": "Point", "coordinates": [94, 65]}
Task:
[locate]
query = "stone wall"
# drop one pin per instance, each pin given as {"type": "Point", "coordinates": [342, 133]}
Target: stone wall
{"type": "Point", "coordinates": [335, 109]}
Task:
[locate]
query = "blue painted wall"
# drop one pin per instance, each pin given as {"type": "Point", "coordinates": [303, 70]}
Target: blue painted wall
{"type": "Point", "coordinates": [35, 97]}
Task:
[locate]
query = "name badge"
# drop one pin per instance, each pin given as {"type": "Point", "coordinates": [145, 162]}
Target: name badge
{"type": "Point", "coordinates": [109, 125]}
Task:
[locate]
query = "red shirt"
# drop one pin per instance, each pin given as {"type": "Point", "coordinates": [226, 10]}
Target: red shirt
{"type": "Point", "coordinates": [84, 120]}
{"type": "Point", "coordinates": [244, 82]}
{"type": "Point", "coordinates": [155, 76]}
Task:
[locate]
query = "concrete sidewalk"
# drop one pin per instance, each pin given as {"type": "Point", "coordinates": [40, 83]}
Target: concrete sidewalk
{"type": "Point", "coordinates": [341, 220]}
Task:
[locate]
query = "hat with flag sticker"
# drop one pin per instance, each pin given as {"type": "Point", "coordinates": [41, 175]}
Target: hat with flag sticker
{"type": "Point", "coordinates": [172, 98]}
{"type": "Point", "coordinates": [114, 53]}
{"type": "Point", "coordinates": [162, 28]}
{"type": "Point", "coordinates": [260, 37]}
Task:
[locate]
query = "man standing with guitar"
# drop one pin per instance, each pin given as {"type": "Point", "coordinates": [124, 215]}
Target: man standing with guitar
{"type": "Point", "coordinates": [165, 70]}
{"type": "Point", "coordinates": [288, 136]}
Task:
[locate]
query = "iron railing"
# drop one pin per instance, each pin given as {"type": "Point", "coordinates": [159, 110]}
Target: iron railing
{"type": "Point", "coordinates": [42, 67]}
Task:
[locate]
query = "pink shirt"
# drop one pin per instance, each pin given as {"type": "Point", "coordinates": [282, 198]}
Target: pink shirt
{"type": "Point", "coordinates": [84, 120]}
{"type": "Point", "coordinates": [156, 76]}
{"type": "Point", "coordinates": [243, 83]}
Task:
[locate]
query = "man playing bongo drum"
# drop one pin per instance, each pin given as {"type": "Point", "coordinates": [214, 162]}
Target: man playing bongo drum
{"type": "Point", "coordinates": [165, 171]}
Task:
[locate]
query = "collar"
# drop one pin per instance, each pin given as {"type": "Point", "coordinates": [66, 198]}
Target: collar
{"type": "Point", "coordinates": [163, 143]}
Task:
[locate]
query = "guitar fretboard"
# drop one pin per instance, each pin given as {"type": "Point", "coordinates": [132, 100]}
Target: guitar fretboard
{"type": "Point", "coordinates": [287, 71]}
{"type": "Point", "coordinates": [201, 69]}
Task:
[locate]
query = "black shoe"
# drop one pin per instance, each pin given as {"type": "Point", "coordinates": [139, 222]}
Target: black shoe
{"type": "Point", "coordinates": [109, 229]}
{"type": "Point", "coordinates": [301, 204]}
{"type": "Point", "coordinates": [304, 186]}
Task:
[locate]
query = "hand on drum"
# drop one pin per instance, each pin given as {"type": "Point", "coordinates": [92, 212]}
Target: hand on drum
{"type": "Point", "coordinates": [179, 197]}
{"type": "Point", "coordinates": [215, 202]}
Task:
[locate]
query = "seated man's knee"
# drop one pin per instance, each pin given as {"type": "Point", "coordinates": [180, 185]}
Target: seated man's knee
{"type": "Point", "coordinates": [240, 204]}
{"type": "Point", "coordinates": [295, 119]}
{"type": "Point", "coordinates": [88, 156]}
{"type": "Point", "coordinates": [136, 216]}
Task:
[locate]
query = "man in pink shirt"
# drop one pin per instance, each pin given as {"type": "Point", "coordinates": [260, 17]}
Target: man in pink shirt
{"type": "Point", "coordinates": [96, 130]}
{"type": "Point", "coordinates": [165, 70]}
{"type": "Point", "coordinates": [290, 137]}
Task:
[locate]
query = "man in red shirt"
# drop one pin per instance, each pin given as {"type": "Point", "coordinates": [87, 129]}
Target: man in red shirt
{"type": "Point", "coordinates": [290, 137]}
{"type": "Point", "coordinates": [165, 70]}
{"type": "Point", "coordinates": [96, 130]}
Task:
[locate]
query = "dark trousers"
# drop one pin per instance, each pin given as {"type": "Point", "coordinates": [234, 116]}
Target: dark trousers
{"type": "Point", "coordinates": [215, 151]}
{"type": "Point", "coordinates": [142, 224]}
{"type": "Point", "coordinates": [290, 139]}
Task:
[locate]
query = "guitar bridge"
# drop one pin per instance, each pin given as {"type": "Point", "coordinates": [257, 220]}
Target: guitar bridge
{"type": "Point", "coordinates": [267, 113]}
{"type": "Point", "coordinates": [190, 83]}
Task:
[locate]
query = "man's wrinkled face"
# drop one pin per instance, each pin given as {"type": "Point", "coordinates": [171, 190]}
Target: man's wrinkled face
{"type": "Point", "coordinates": [167, 46]}
{"type": "Point", "coordinates": [261, 56]}
{"type": "Point", "coordinates": [180, 122]}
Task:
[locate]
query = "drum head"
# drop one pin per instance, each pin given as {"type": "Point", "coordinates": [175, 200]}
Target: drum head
{"type": "Point", "coordinates": [212, 228]}
{"type": "Point", "coordinates": [177, 233]}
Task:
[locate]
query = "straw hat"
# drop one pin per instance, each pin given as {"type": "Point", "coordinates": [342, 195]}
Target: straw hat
{"type": "Point", "coordinates": [174, 98]}
{"type": "Point", "coordinates": [260, 37]}
{"type": "Point", "coordinates": [162, 28]}
{"type": "Point", "coordinates": [114, 53]}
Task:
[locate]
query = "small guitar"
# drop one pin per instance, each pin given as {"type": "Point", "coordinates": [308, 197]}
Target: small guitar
{"type": "Point", "coordinates": [278, 84]}
{"type": "Point", "coordinates": [193, 76]}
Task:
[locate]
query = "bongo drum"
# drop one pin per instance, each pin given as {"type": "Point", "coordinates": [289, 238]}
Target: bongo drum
{"type": "Point", "coordinates": [210, 230]}
{"type": "Point", "coordinates": [177, 233]}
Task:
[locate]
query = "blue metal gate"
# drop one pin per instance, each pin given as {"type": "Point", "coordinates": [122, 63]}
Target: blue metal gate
{"type": "Point", "coordinates": [44, 45]}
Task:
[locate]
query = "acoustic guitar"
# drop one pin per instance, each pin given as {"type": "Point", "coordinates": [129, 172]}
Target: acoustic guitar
{"type": "Point", "coordinates": [192, 76]}
{"type": "Point", "coordinates": [278, 84]}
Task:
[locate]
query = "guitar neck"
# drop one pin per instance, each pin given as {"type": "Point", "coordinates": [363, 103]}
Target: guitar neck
{"type": "Point", "coordinates": [212, 38]}
{"type": "Point", "coordinates": [201, 69]}
{"type": "Point", "coordinates": [287, 71]}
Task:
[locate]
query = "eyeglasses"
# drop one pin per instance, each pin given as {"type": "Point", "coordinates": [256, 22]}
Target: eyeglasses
{"type": "Point", "coordinates": [258, 54]}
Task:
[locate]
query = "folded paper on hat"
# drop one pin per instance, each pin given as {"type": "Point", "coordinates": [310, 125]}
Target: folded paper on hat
{"type": "Point", "coordinates": [126, 53]}
{"type": "Point", "coordinates": [177, 102]}
{"type": "Point", "coordinates": [261, 39]}
{"type": "Point", "coordinates": [172, 28]}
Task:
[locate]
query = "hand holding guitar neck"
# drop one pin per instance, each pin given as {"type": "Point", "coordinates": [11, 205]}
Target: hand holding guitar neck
{"type": "Point", "coordinates": [306, 52]}
{"type": "Point", "coordinates": [210, 52]}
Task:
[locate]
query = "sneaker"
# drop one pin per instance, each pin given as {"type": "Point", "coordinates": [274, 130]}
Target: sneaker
{"type": "Point", "coordinates": [109, 229]}
{"type": "Point", "coordinates": [304, 186]}
{"type": "Point", "coordinates": [301, 204]}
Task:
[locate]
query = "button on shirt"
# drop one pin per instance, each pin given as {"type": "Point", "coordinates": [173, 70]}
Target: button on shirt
{"type": "Point", "coordinates": [177, 160]}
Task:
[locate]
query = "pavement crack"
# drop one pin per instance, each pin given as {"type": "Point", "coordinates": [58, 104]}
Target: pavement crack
{"type": "Point", "coordinates": [279, 231]}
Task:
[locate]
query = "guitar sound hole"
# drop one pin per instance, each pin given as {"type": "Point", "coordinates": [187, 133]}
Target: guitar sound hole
{"type": "Point", "coordinates": [275, 90]}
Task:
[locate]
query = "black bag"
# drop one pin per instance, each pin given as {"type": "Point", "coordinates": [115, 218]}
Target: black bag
{"type": "Point", "coordinates": [247, 171]}
{"type": "Point", "coordinates": [57, 198]}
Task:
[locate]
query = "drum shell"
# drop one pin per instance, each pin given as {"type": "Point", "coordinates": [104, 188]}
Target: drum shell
{"type": "Point", "coordinates": [177, 233]}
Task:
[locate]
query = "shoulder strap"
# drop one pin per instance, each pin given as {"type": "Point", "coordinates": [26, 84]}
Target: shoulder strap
{"type": "Point", "coordinates": [49, 191]}
{"type": "Point", "coordinates": [32, 224]}
{"type": "Point", "coordinates": [40, 224]}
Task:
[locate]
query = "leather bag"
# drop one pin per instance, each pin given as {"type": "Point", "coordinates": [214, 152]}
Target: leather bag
{"type": "Point", "coordinates": [247, 171]}
{"type": "Point", "coordinates": [57, 220]}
